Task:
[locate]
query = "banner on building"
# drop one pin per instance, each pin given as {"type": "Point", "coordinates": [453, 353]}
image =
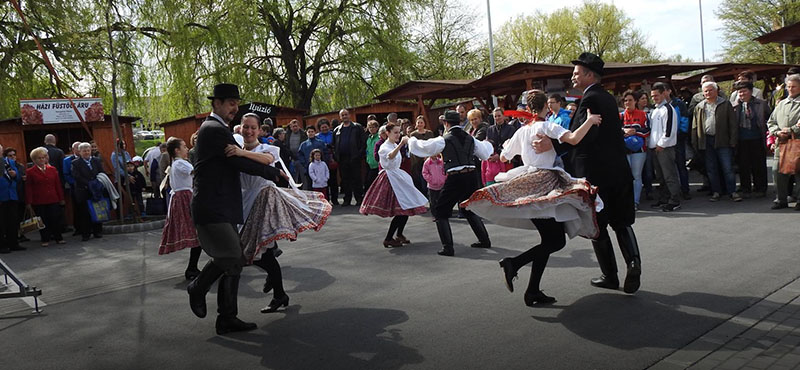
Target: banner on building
{"type": "Point", "coordinates": [49, 111]}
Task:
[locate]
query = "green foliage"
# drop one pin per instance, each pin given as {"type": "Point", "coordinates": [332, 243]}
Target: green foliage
{"type": "Point", "coordinates": [559, 36]}
{"type": "Point", "coordinates": [142, 145]}
{"type": "Point", "coordinates": [744, 20]}
{"type": "Point", "coordinates": [311, 54]}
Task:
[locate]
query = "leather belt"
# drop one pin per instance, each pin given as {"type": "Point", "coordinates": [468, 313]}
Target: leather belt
{"type": "Point", "coordinates": [460, 171]}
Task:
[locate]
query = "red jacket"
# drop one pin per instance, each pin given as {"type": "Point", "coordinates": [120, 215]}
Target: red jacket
{"type": "Point", "coordinates": [43, 187]}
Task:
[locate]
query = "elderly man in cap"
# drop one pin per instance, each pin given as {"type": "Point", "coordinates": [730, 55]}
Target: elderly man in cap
{"type": "Point", "coordinates": [600, 158]}
{"type": "Point", "coordinates": [217, 209]}
{"type": "Point", "coordinates": [458, 150]}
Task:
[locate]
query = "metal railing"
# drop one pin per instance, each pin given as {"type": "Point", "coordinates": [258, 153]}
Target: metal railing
{"type": "Point", "coordinates": [24, 289]}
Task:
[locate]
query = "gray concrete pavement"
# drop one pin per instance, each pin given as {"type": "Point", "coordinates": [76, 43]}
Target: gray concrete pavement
{"type": "Point", "coordinates": [114, 303]}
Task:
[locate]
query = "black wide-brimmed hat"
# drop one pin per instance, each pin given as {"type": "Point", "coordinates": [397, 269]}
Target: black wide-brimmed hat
{"type": "Point", "coordinates": [225, 91]}
{"type": "Point", "coordinates": [591, 61]}
{"type": "Point", "coordinates": [452, 116]}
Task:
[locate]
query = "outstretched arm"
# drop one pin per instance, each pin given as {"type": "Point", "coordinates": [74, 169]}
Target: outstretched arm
{"type": "Point", "coordinates": [426, 148]}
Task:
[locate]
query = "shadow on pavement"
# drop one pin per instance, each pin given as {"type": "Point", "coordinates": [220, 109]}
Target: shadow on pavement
{"type": "Point", "coordinates": [307, 279]}
{"type": "Point", "coordinates": [645, 319]}
{"type": "Point", "coordinates": [345, 338]}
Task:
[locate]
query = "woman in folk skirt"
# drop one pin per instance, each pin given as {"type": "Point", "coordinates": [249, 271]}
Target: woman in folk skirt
{"type": "Point", "coordinates": [179, 231]}
{"type": "Point", "coordinates": [393, 194]}
{"type": "Point", "coordinates": [538, 195]}
{"type": "Point", "coordinates": [272, 213]}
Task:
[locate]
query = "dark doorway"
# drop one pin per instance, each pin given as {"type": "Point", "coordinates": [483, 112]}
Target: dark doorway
{"type": "Point", "coordinates": [362, 118]}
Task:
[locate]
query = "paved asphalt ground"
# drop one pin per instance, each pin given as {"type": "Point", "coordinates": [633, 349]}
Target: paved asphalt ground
{"type": "Point", "coordinates": [113, 303]}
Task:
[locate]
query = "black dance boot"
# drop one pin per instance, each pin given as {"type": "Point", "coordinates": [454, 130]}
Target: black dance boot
{"type": "Point", "coordinates": [263, 264]}
{"type": "Point", "coordinates": [199, 287]}
{"type": "Point", "coordinates": [227, 301]}
{"type": "Point", "coordinates": [479, 229]}
{"type": "Point", "coordinates": [633, 261]}
{"type": "Point", "coordinates": [446, 236]}
{"type": "Point", "coordinates": [509, 272]}
{"type": "Point", "coordinates": [608, 265]}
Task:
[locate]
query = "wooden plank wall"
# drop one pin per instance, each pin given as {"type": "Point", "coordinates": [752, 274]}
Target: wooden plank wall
{"type": "Point", "coordinates": [15, 140]}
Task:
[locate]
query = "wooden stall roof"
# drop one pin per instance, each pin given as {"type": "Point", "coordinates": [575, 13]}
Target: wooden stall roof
{"type": "Point", "coordinates": [409, 106]}
{"type": "Point", "coordinates": [196, 117]}
{"type": "Point", "coordinates": [518, 77]}
{"type": "Point", "coordinates": [411, 89]}
{"type": "Point", "coordinates": [728, 71]}
{"type": "Point", "coordinates": [786, 35]}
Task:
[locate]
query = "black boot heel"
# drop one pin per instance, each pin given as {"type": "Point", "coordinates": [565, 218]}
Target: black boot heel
{"type": "Point", "coordinates": [276, 303]}
{"type": "Point", "coordinates": [537, 298]}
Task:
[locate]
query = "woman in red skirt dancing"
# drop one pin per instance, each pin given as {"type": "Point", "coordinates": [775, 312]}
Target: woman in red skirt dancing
{"type": "Point", "coordinates": [179, 231]}
{"type": "Point", "coordinates": [393, 194]}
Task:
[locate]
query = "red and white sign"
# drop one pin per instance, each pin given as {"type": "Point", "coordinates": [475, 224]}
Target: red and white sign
{"type": "Point", "coordinates": [48, 111]}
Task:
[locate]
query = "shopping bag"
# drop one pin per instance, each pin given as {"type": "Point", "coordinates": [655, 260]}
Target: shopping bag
{"type": "Point", "coordinates": [31, 223]}
{"type": "Point", "coordinates": [789, 156]}
{"type": "Point", "coordinates": [100, 210]}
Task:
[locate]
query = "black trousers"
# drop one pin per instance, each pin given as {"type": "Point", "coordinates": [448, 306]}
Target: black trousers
{"type": "Point", "coordinates": [433, 196]}
{"type": "Point", "coordinates": [333, 185]}
{"type": "Point", "coordinates": [270, 264]}
{"type": "Point", "coordinates": [372, 174]}
{"type": "Point", "coordinates": [221, 242]}
{"type": "Point", "coordinates": [751, 157]}
{"type": "Point", "coordinates": [52, 216]}
{"type": "Point", "coordinates": [86, 227]}
{"type": "Point", "coordinates": [618, 208]}
{"type": "Point", "coordinates": [553, 240]}
{"type": "Point", "coordinates": [9, 224]}
{"type": "Point", "coordinates": [352, 186]}
{"type": "Point", "coordinates": [457, 188]}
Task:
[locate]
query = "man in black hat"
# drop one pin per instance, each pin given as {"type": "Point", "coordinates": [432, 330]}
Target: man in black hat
{"type": "Point", "coordinates": [600, 158]}
{"type": "Point", "coordinates": [217, 208]}
{"type": "Point", "coordinates": [458, 150]}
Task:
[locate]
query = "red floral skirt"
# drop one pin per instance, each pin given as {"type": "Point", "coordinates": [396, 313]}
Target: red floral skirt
{"type": "Point", "coordinates": [381, 201]}
{"type": "Point", "coordinates": [179, 231]}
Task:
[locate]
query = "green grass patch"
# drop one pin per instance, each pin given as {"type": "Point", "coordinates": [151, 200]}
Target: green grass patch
{"type": "Point", "coordinates": [142, 145]}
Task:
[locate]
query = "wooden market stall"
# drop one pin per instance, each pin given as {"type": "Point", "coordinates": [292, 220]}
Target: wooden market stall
{"type": "Point", "coordinates": [25, 138]}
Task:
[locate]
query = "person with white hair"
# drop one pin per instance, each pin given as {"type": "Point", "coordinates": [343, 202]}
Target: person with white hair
{"type": "Point", "coordinates": [785, 124]}
{"type": "Point", "coordinates": [85, 168]}
{"type": "Point", "coordinates": [45, 195]}
{"type": "Point", "coordinates": [715, 130]}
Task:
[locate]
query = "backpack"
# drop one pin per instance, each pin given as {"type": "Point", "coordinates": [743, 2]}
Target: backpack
{"type": "Point", "coordinates": [683, 115]}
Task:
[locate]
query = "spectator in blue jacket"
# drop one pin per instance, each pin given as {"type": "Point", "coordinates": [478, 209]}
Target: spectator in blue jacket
{"type": "Point", "coordinates": [9, 222]}
{"type": "Point", "coordinates": [304, 153]}
{"type": "Point", "coordinates": [556, 113]}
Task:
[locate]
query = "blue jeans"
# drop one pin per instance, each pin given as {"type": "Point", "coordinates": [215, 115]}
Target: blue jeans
{"type": "Point", "coordinates": [636, 160]}
{"type": "Point", "coordinates": [716, 158]}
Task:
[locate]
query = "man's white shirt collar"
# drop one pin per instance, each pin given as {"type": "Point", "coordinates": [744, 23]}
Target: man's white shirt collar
{"type": "Point", "coordinates": [218, 118]}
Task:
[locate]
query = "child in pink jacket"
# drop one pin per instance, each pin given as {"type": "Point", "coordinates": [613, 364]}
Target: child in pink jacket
{"type": "Point", "coordinates": [490, 169]}
{"type": "Point", "coordinates": [433, 173]}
